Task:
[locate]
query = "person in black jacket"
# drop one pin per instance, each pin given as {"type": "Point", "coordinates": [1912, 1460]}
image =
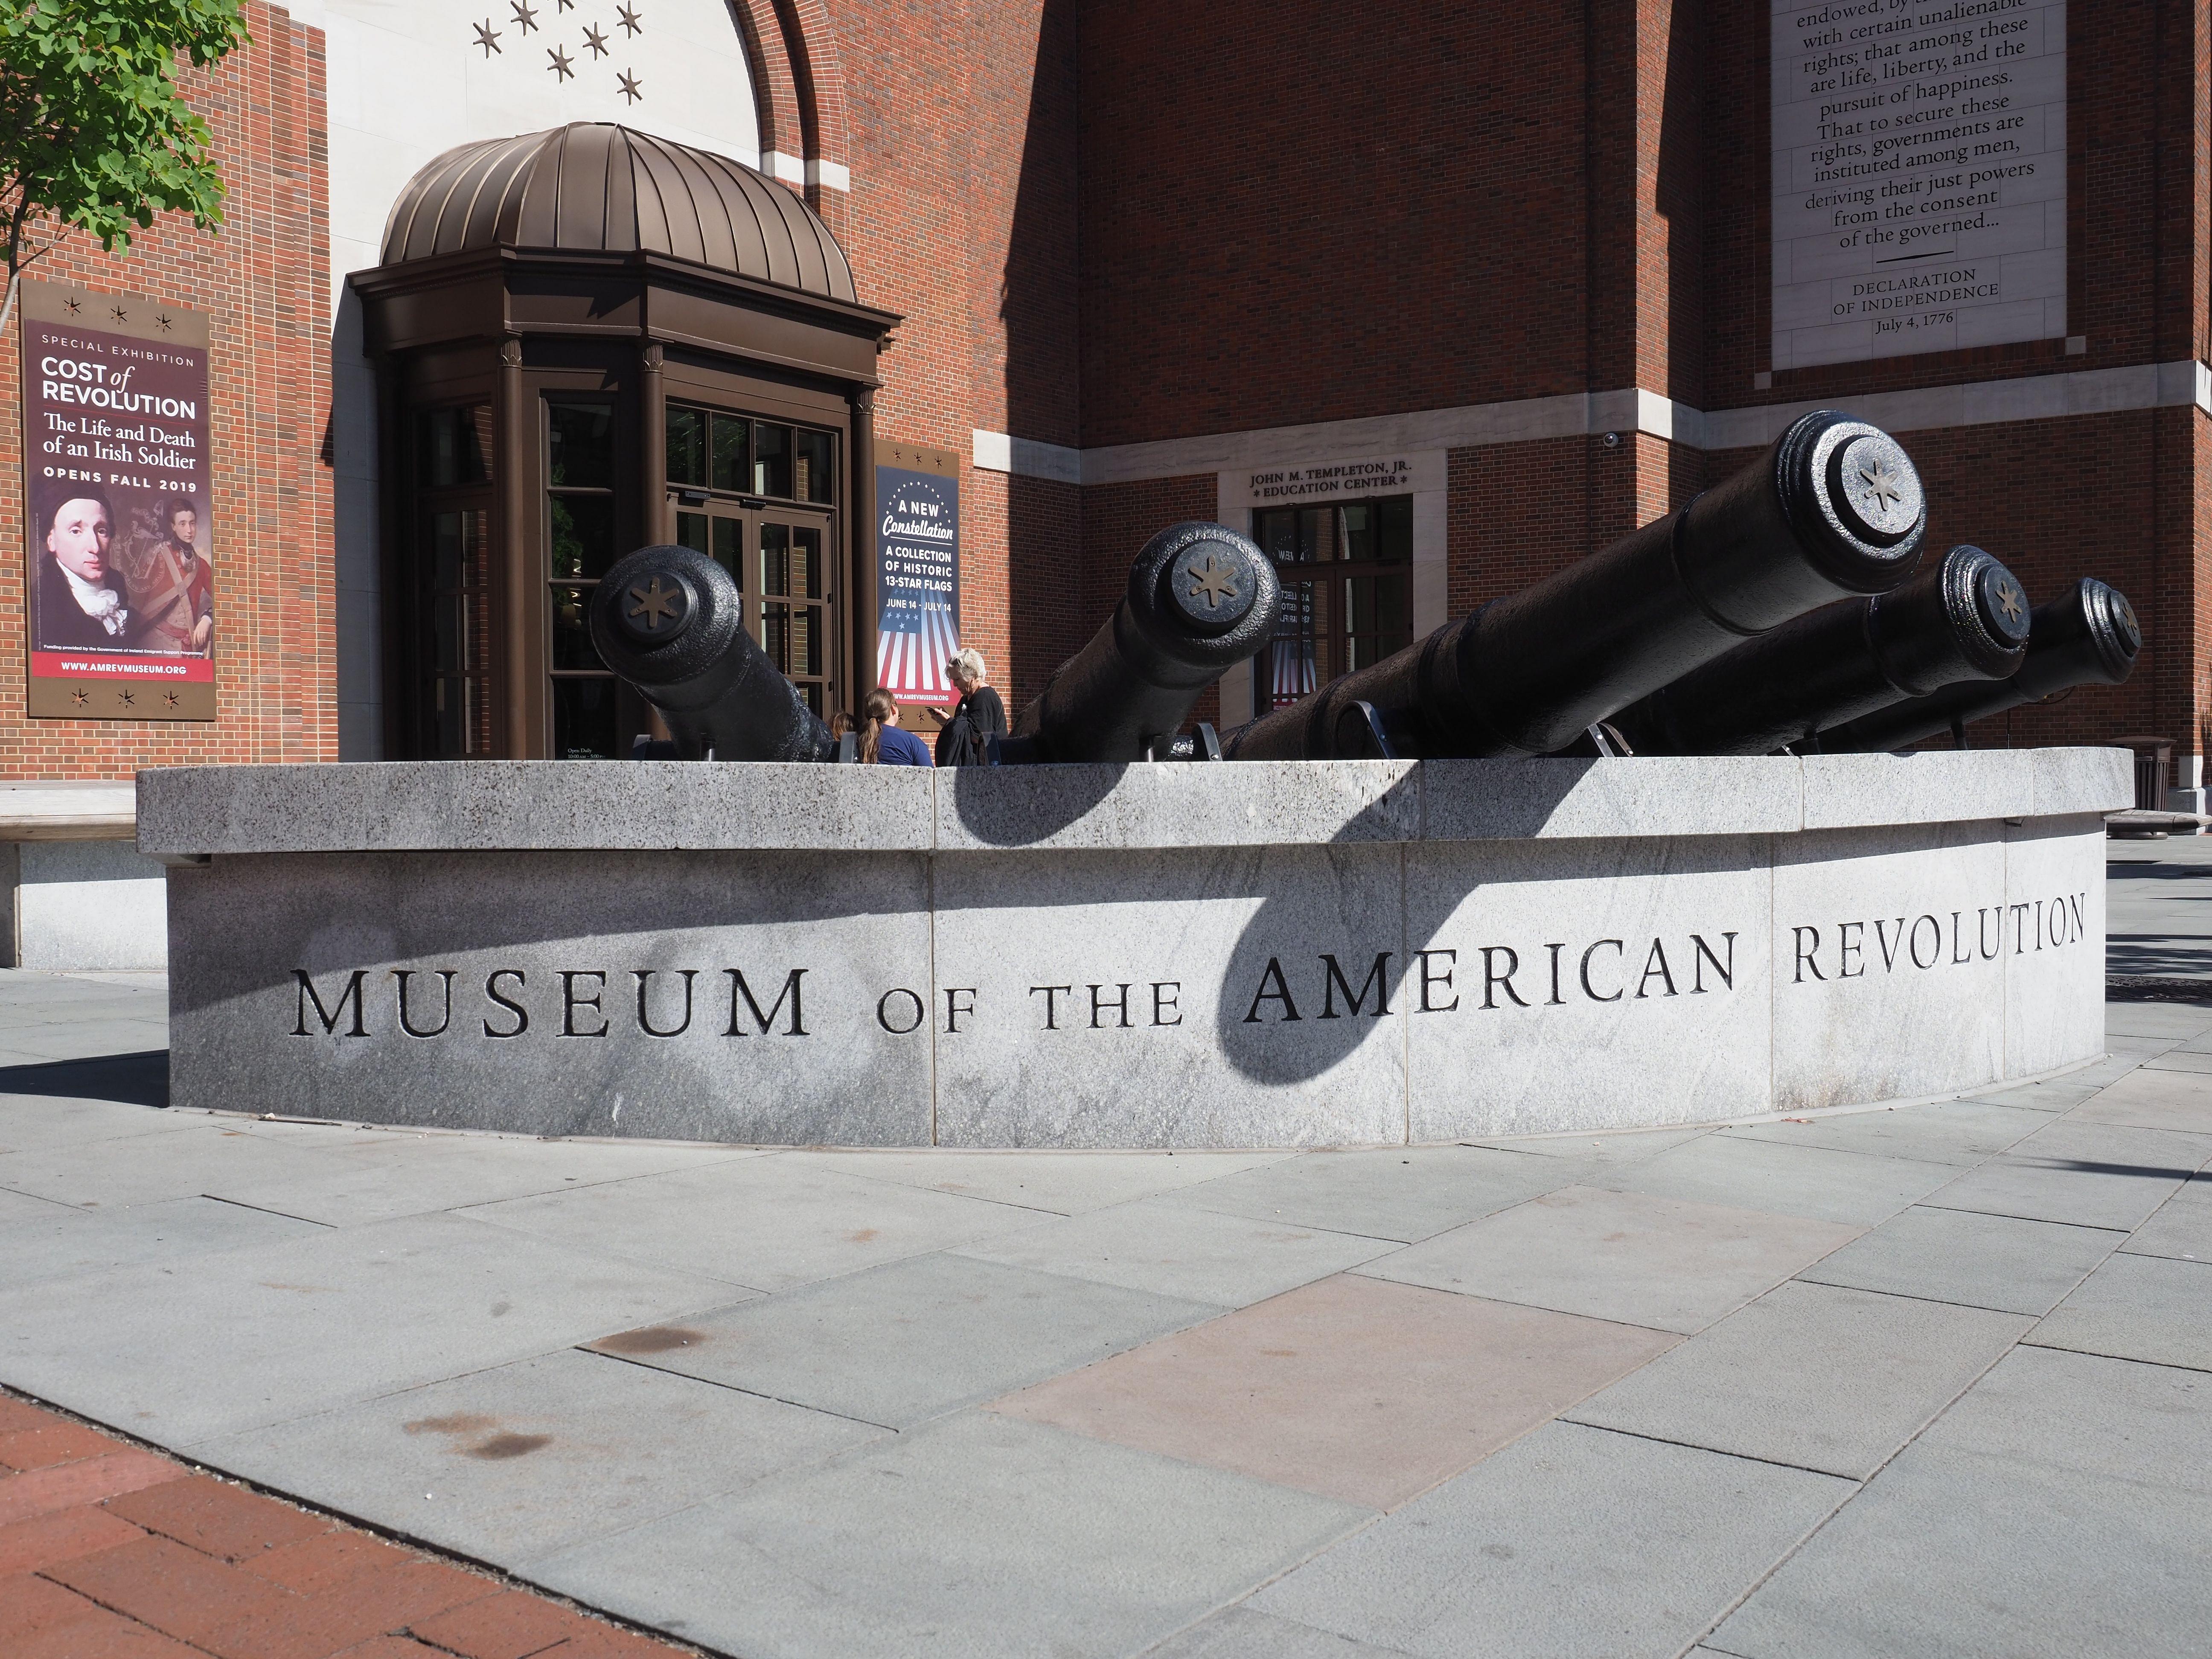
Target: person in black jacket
{"type": "Point", "coordinates": [979, 717]}
{"type": "Point", "coordinates": [79, 604]}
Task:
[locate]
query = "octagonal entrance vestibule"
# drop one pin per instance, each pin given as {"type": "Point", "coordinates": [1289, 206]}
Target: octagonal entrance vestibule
{"type": "Point", "coordinates": [588, 339]}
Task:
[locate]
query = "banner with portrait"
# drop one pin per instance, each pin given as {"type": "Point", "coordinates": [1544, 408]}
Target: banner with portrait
{"type": "Point", "coordinates": [120, 589]}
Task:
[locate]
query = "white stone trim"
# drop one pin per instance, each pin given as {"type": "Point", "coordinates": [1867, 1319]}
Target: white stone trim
{"type": "Point", "coordinates": [2181, 384]}
{"type": "Point", "coordinates": [786, 169]}
{"type": "Point", "coordinates": [829, 175]}
{"type": "Point", "coordinates": [996, 451]}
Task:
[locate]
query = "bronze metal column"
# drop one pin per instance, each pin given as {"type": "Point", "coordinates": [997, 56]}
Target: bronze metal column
{"type": "Point", "coordinates": [522, 595]}
{"type": "Point", "coordinates": [861, 539]}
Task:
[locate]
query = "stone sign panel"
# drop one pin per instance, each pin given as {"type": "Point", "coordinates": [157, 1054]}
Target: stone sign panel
{"type": "Point", "coordinates": [1919, 176]}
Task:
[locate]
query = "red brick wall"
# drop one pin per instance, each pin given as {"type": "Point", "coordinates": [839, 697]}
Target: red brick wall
{"type": "Point", "coordinates": [266, 283]}
{"type": "Point", "coordinates": [1296, 211]}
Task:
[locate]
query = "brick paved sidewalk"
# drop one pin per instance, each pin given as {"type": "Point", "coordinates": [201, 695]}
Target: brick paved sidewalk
{"type": "Point", "coordinates": [108, 1551]}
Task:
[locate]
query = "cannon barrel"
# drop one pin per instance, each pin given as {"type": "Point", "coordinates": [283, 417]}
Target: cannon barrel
{"type": "Point", "coordinates": [1201, 598]}
{"type": "Point", "coordinates": [2088, 636]}
{"type": "Point", "coordinates": [669, 620]}
{"type": "Point", "coordinates": [1965, 617]}
{"type": "Point", "coordinates": [1832, 507]}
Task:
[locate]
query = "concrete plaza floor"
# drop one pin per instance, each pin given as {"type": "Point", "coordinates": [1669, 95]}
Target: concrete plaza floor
{"type": "Point", "coordinates": [1934, 1380]}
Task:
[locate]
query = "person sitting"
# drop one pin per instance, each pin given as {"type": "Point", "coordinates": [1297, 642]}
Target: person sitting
{"type": "Point", "coordinates": [78, 606]}
{"type": "Point", "coordinates": [979, 717]}
{"type": "Point", "coordinates": [882, 743]}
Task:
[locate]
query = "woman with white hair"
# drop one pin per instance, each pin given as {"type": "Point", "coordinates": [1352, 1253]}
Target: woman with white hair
{"type": "Point", "coordinates": [979, 717]}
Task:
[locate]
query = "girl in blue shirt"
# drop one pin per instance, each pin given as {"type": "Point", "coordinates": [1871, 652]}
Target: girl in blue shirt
{"type": "Point", "coordinates": [882, 743]}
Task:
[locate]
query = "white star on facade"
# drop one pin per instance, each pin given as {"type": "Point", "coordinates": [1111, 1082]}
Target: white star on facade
{"type": "Point", "coordinates": [524, 16]}
{"type": "Point", "coordinates": [630, 88]}
{"type": "Point", "coordinates": [487, 37]}
{"type": "Point", "coordinates": [559, 63]}
{"type": "Point", "coordinates": [595, 40]}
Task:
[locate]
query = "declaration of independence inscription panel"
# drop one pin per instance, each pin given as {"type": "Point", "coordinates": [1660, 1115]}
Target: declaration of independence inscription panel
{"type": "Point", "coordinates": [1919, 176]}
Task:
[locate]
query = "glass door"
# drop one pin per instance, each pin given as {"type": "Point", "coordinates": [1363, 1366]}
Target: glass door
{"type": "Point", "coordinates": [1348, 593]}
{"type": "Point", "coordinates": [779, 559]}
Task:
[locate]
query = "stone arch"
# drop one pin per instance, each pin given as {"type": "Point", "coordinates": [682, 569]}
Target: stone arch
{"type": "Point", "coordinates": [800, 75]}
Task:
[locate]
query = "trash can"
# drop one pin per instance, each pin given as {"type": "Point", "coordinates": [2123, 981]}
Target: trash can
{"type": "Point", "coordinates": [2153, 766]}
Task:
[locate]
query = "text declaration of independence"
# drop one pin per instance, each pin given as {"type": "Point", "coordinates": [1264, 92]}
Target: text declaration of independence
{"type": "Point", "coordinates": [1919, 176]}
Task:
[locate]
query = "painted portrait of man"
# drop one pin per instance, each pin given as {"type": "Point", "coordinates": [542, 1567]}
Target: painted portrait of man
{"type": "Point", "coordinates": [172, 592]}
{"type": "Point", "coordinates": [80, 605]}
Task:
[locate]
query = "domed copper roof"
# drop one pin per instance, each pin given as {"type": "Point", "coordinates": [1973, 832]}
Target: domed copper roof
{"type": "Point", "coordinates": [597, 187]}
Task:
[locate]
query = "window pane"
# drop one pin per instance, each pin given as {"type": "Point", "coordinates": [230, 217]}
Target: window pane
{"type": "Point", "coordinates": [691, 531]}
{"type": "Point", "coordinates": [454, 446]}
{"type": "Point", "coordinates": [1318, 532]}
{"type": "Point", "coordinates": [1358, 524]}
{"type": "Point", "coordinates": [806, 640]}
{"type": "Point", "coordinates": [580, 444]}
{"type": "Point", "coordinates": [1395, 535]}
{"type": "Point", "coordinates": [456, 544]}
{"type": "Point", "coordinates": [1378, 618]}
{"type": "Point", "coordinates": [584, 719]}
{"type": "Point", "coordinates": [806, 563]}
{"type": "Point", "coordinates": [583, 534]}
{"type": "Point", "coordinates": [771, 459]}
{"type": "Point", "coordinates": [572, 633]}
{"type": "Point", "coordinates": [454, 715]}
{"type": "Point", "coordinates": [453, 648]}
{"type": "Point", "coordinates": [775, 635]}
{"type": "Point", "coordinates": [775, 558]}
{"type": "Point", "coordinates": [1277, 532]}
{"type": "Point", "coordinates": [687, 446]}
{"type": "Point", "coordinates": [730, 549]}
{"type": "Point", "coordinates": [812, 476]}
{"type": "Point", "coordinates": [729, 452]}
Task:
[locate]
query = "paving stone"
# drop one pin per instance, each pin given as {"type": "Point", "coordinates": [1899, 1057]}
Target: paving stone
{"type": "Point", "coordinates": [753, 1222]}
{"type": "Point", "coordinates": [321, 1565]}
{"type": "Point", "coordinates": [512, 1626]}
{"type": "Point", "coordinates": [19, 1211]}
{"type": "Point", "coordinates": [2088, 1175]}
{"type": "Point", "coordinates": [2066, 1499]}
{"type": "Point", "coordinates": [1065, 1183]}
{"type": "Point", "coordinates": [217, 1518]}
{"type": "Point", "coordinates": [2153, 1099]}
{"type": "Point", "coordinates": [1200, 1255]}
{"type": "Point", "coordinates": [41, 1491]}
{"type": "Point", "coordinates": [63, 1241]}
{"type": "Point", "coordinates": [1570, 1542]}
{"type": "Point", "coordinates": [186, 1352]}
{"type": "Point", "coordinates": [1353, 1388]}
{"type": "Point", "coordinates": [1810, 1375]}
{"type": "Point", "coordinates": [379, 1177]}
{"type": "Point", "coordinates": [191, 1158]}
{"type": "Point", "coordinates": [60, 1535]}
{"type": "Point", "coordinates": [901, 1344]}
{"type": "Point", "coordinates": [1978, 1261]}
{"type": "Point", "coordinates": [506, 1463]}
{"type": "Point", "coordinates": [377, 1604]}
{"type": "Point", "coordinates": [960, 1539]}
{"type": "Point", "coordinates": [2156, 1019]}
{"type": "Point", "coordinates": [1623, 1256]}
{"type": "Point", "coordinates": [177, 1591]}
{"type": "Point", "coordinates": [2137, 1307]}
{"type": "Point", "coordinates": [1402, 1193]}
{"type": "Point", "coordinates": [2142, 1048]}
{"type": "Point", "coordinates": [1241, 1633]}
{"type": "Point", "coordinates": [28, 1122]}
{"type": "Point", "coordinates": [2178, 1060]}
{"type": "Point", "coordinates": [1855, 1189]}
{"type": "Point", "coordinates": [29, 1605]}
{"type": "Point", "coordinates": [2181, 1228]}
{"type": "Point", "coordinates": [1606, 1146]}
{"type": "Point", "coordinates": [1963, 1132]}
{"type": "Point", "coordinates": [58, 1441]}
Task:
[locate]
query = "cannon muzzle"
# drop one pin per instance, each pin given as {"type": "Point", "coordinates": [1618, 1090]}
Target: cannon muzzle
{"type": "Point", "coordinates": [1964, 618]}
{"type": "Point", "coordinates": [2086, 636]}
{"type": "Point", "coordinates": [669, 620]}
{"type": "Point", "coordinates": [1834, 507]}
{"type": "Point", "coordinates": [1201, 598]}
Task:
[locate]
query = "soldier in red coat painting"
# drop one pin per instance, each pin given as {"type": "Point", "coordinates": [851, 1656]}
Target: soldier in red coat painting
{"type": "Point", "coordinates": [172, 593]}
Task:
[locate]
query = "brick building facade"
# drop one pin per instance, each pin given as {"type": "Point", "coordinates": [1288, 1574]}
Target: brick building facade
{"type": "Point", "coordinates": [1147, 255]}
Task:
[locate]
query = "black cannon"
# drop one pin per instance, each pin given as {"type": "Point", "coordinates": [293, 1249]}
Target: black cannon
{"type": "Point", "coordinates": [2086, 636]}
{"type": "Point", "coordinates": [1832, 507]}
{"type": "Point", "coordinates": [1201, 598]}
{"type": "Point", "coordinates": [668, 620]}
{"type": "Point", "coordinates": [1963, 618]}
